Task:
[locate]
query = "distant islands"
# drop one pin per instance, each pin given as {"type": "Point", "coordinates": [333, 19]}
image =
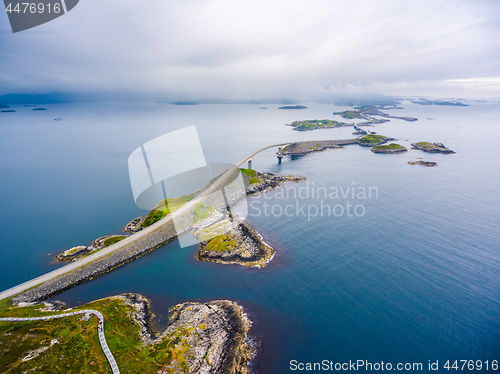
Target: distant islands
{"type": "Point", "coordinates": [365, 112]}
{"type": "Point", "coordinates": [293, 107]}
{"type": "Point", "coordinates": [438, 102]}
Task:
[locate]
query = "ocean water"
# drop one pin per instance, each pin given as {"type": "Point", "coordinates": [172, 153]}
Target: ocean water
{"type": "Point", "coordinates": [411, 275]}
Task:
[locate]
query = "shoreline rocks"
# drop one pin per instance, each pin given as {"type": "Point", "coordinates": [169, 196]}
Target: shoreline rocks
{"type": "Point", "coordinates": [74, 252]}
{"type": "Point", "coordinates": [214, 335]}
{"type": "Point", "coordinates": [134, 225]}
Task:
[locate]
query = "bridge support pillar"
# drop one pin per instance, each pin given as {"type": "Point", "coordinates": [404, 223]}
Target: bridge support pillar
{"type": "Point", "coordinates": [249, 164]}
{"type": "Point", "coordinates": [280, 155]}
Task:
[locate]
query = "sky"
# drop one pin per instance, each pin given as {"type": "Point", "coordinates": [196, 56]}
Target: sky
{"type": "Point", "coordinates": [259, 48]}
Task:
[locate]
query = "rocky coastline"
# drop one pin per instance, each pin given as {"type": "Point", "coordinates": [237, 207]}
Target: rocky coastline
{"type": "Point", "coordinates": [208, 337]}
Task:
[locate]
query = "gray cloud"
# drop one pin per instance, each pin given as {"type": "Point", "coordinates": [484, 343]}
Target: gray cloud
{"type": "Point", "coordinates": [258, 48]}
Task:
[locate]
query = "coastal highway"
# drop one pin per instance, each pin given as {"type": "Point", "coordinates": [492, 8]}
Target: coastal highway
{"type": "Point", "coordinates": [100, 330]}
{"type": "Point", "coordinates": [223, 178]}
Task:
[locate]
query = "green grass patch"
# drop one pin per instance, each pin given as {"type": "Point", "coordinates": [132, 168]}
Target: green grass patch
{"type": "Point", "coordinates": [250, 172]}
{"type": "Point", "coordinates": [426, 145]}
{"type": "Point", "coordinates": [371, 138]}
{"type": "Point", "coordinates": [221, 243]}
{"type": "Point", "coordinates": [201, 211]}
{"type": "Point", "coordinates": [113, 240]}
{"type": "Point", "coordinates": [165, 207]}
{"type": "Point", "coordinates": [388, 146]}
{"type": "Point", "coordinates": [254, 180]}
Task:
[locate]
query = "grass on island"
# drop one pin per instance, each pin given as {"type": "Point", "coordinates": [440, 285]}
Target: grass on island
{"type": "Point", "coordinates": [226, 242]}
{"type": "Point", "coordinates": [371, 138]}
{"type": "Point", "coordinates": [113, 240]}
{"type": "Point", "coordinates": [349, 114]}
{"type": "Point", "coordinates": [77, 347]}
{"type": "Point", "coordinates": [250, 172]}
{"type": "Point", "coordinates": [388, 146]}
{"type": "Point", "coordinates": [315, 124]}
{"type": "Point", "coordinates": [426, 145]}
{"type": "Point", "coordinates": [164, 208]}
{"type": "Point", "coordinates": [201, 211]}
{"type": "Point", "coordinates": [254, 176]}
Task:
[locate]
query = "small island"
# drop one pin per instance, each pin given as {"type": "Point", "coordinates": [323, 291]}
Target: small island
{"type": "Point", "coordinates": [40, 109]}
{"type": "Point", "coordinates": [7, 111]}
{"type": "Point", "coordinates": [389, 148]}
{"type": "Point", "coordinates": [431, 147]}
{"type": "Point", "coordinates": [423, 163]}
{"type": "Point", "coordinates": [293, 107]}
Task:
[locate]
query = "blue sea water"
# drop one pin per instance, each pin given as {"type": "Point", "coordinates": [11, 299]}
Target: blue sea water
{"type": "Point", "coordinates": [415, 278]}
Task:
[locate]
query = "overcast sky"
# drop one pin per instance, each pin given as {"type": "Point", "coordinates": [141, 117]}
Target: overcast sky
{"type": "Point", "coordinates": [259, 48]}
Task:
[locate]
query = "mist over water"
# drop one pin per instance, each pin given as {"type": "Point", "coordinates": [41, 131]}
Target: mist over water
{"type": "Point", "coordinates": [415, 278]}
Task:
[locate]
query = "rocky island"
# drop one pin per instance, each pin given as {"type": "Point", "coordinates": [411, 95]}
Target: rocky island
{"type": "Point", "coordinates": [423, 163]}
{"type": "Point", "coordinates": [210, 337]}
{"type": "Point", "coordinates": [225, 240]}
{"type": "Point", "coordinates": [431, 147]}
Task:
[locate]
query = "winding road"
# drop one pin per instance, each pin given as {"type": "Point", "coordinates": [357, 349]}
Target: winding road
{"type": "Point", "coordinates": [100, 330]}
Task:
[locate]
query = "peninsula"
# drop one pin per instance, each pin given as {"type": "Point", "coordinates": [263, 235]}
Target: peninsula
{"type": "Point", "coordinates": [200, 337]}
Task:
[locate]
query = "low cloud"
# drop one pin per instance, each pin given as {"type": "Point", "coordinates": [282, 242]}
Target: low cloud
{"type": "Point", "coordinates": [258, 48]}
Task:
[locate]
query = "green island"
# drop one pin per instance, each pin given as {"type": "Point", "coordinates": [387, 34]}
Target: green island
{"type": "Point", "coordinates": [316, 124]}
{"type": "Point", "coordinates": [389, 148]}
{"type": "Point", "coordinates": [71, 344]}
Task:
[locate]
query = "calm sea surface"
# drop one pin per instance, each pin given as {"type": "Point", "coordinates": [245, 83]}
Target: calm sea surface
{"type": "Point", "coordinates": [413, 277]}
